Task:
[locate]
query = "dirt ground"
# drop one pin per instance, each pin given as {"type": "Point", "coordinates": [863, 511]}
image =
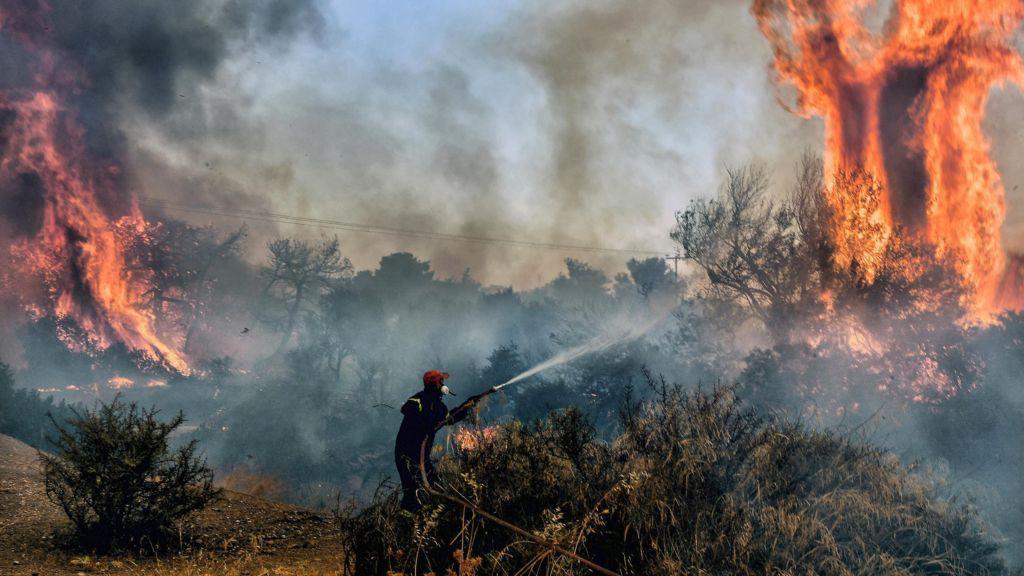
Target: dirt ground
{"type": "Point", "coordinates": [238, 535]}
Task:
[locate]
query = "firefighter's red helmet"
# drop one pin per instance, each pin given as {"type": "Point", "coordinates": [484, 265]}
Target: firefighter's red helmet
{"type": "Point", "coordinates": [434, 378]}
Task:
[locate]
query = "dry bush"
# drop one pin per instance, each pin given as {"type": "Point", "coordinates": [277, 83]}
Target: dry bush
{"type": "Point", "coordinates": [247, 480]}
{"type": "Point", "coordinates": [693, 483]}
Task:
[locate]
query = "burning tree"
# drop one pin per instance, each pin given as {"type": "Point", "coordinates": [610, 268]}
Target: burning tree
{"type": "Point", "coordinates": [905, 105]}
{"type": "Point", "coordinates": [897, 310]}
{"type": "Point", "coordinates": [75, 216]}
{"type": "Point", "coordinates": [751, 249]}
{"type": "Point", "coordinates": [181, 259]}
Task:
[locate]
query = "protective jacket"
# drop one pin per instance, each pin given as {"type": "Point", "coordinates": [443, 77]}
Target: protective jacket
{"type": "Point", "coordinates": [422, 413]}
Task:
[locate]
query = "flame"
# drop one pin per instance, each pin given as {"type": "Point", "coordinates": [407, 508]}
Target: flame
{"type": "Point", "coordinates": [470, 439]}
{"type": "Point", "coordinates": [78, 254]}
{"type": "Point", "coordinates": [120, 383]}
{"type": "Point", "coordinates": [1009, 293]}
{"type": "Point", "coordinates": [905, 106]}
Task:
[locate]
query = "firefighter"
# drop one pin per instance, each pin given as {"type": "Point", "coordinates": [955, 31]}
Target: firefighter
{"type": "Point", "coordinates": [423, 414]}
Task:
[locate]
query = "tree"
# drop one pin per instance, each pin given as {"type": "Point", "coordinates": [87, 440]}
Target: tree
{"type": "Point", "coordinates": [211, 253]}
{"type": "Point", "coordinates": [651, 276]}
{"type": "Point", "coordinates": [504, 363]}
{"type": "Point", "coordinates": [178, 260]}
{"type": "Point", "coordinates": [751, 249]}
{"type": "Point", "coordinates": [583, 285]}
{"type": "Point", "coordinates": [115, 477]}
{"type": "Point", "coordinates": [402, 271]}
{"type": "Point", "coordinates": [23, 414]}
{"type": "Point", "coordinates": [299, 272]}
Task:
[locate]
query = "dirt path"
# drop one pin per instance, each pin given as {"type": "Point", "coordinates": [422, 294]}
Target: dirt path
{"type": "Point", "coordinates": [239, 535]}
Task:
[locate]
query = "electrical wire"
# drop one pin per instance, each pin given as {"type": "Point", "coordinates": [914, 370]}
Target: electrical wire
{"type": "Point", "coordinates": [261, 216]}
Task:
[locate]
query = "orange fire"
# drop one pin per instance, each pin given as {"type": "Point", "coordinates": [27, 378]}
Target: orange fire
{"type": "Point", "coordinates": [905, 104]}
{"type": "Point", "coordinates": [120, 383]}
{"type": "Point", "coordinates": [78, 252]}
{"type": "Point", "coordinates": [470, 439]}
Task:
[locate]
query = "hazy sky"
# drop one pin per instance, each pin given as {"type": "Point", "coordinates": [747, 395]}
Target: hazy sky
{"type": "Point", "coordinates": [576, 123]}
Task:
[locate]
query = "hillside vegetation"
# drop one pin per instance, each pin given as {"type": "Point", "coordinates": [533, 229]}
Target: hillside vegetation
{"type": "Point", "coordinates": [693, 484]}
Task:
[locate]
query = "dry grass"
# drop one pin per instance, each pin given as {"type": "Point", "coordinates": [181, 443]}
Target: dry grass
{"type": "Point", "coordinates": [250, 563]}
{"type": "Point", "coordinates": [243, 478]}
{"type": "Point", "coordinates": [693, 484]}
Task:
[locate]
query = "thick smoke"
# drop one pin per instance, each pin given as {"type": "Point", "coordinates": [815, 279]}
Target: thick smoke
{"type": "Point", "coordinates": [120, 61]}
{"type": "Point", "coordinates": [152, 55]}
{"type": "Point", "coordinates": [585, 125]}
{"type": "Point", "coordinates": [105, 63]}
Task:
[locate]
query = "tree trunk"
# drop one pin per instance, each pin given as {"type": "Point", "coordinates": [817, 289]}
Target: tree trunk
{"type": "Point", "coordinates": [293, 313]}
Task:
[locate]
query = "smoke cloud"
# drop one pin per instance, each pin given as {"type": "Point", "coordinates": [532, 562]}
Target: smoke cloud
{"type": "Point", "coordinates": [585, 125]}
{"type": "Point", "coordinates": [571, 123]}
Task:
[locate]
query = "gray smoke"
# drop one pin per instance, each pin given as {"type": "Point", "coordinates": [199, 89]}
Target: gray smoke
{"type": "Point", "coordinates": [584, 125]}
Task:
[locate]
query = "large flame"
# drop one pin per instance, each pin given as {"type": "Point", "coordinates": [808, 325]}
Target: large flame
{"type": "Point", "coordinates": [906, 104]}
{"type": "Point", "coordinates": [78, 252]}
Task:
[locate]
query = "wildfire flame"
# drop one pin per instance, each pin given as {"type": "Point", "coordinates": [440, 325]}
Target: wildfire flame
{"type": "Point", "coordinates": [470, 439]}
{"type": "Point", "coordinates": [906, 105]}
{"type": "Point", "coordinates": [120, 383]}
{"type": "Point", "coordinates": [78, 252]}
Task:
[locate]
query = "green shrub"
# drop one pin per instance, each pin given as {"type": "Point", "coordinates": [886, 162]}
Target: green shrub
{"type": "Point", "coordinates": [115, 476]}
{"type": "Point", "coordinates": [693, 484]}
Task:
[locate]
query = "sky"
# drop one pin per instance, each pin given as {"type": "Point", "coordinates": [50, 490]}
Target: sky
{"type": "Point", "coordinates": [561, 122]}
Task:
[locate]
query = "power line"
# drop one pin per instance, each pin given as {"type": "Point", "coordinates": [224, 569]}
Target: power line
{"type": "Point", "coordinates": [262, 216]}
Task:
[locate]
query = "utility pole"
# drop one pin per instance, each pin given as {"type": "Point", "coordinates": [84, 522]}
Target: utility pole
{"type": "Point", "coordinates": [675, 258]}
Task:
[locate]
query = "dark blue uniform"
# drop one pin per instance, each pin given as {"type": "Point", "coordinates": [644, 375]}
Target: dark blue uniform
{"type": "Point", "coordinates": [422, 414]}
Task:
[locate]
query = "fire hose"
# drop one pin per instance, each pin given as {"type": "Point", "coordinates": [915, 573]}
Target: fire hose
{"type": "Point", "coordinates": [550, 545]}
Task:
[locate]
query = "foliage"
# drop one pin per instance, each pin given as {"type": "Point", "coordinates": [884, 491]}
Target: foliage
{"type": "Point", "coordinates": [582, 286]}
{"type": "Point", "coordinates": [652, 276]}
{"type": "Point", "coordinates": [23, 414]}
{"type": "Point", "coordinates": [115, 476]}
{"type": "Point", "coordinates": [504, 363]}
{"type": "Point", "coordinates": [694, 483]}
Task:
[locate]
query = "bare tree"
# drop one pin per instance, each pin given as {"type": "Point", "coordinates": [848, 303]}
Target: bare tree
{"type": "Point", "coordinates": [751, 249]}
{"type": "Point", "coordinates": [299, 272]}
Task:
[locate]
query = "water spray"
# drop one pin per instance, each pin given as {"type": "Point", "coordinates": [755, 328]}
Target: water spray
{"type": "Point", "coordinates": [601, 342]}
{"type": "Point", "coordinates": [597, 344]}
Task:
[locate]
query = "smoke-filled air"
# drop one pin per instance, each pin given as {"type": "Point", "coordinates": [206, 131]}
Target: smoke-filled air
{"type": "Point", "coordinates": [561, 288]}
